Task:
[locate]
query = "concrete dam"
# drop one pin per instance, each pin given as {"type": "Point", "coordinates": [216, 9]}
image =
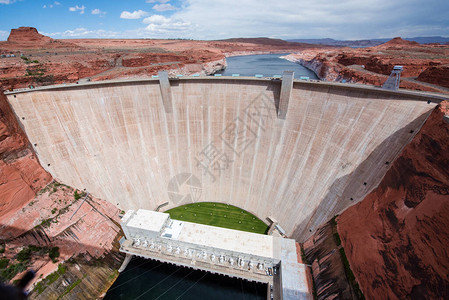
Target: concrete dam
{"type": "Point", "coordinates": [141, 144]}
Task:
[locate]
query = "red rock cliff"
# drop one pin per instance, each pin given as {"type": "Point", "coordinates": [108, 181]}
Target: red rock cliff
{"type": "Point", "coordinates": [397, 238]}
{"type": "Point", "coordinates": [21, 175]}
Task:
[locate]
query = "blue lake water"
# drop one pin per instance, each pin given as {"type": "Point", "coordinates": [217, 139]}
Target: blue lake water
{"type": "Point", "coordinates": [264, 64]}
{"type": "Point", "coordinates": [149, 279]}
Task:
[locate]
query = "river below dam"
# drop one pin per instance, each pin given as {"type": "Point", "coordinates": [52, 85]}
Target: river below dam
{"type": "Point", "coordinates": [264, 64]}
{"type": "Point", "coordinates": [149, 279]}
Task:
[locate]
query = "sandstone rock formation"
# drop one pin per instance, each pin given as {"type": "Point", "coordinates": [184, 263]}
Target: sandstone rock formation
{"type": "Point", "coordinates": [398, 42]}
{"type": "Point", "coordinates": [436, 75]}
{"type": "Point", "coordinates": [85, 230]}
{"type": "Point", "coordinates": [397, 238]}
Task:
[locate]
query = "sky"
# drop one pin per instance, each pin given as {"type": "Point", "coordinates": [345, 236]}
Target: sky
{"type": "Point", "coordinates": [220, 19]}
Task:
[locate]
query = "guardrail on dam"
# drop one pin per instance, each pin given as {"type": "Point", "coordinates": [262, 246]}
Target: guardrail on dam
{"type": "Point", "coordinates": [223, 141]}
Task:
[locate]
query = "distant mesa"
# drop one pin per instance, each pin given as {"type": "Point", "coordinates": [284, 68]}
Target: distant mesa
{"type": "Point", "coordinates": [397, 41]}
{"type": "Point", "coordinates": [29, 37]}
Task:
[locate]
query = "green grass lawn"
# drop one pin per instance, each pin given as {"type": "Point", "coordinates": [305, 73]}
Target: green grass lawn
{"type": "Point", "coordinates": [220, 215]}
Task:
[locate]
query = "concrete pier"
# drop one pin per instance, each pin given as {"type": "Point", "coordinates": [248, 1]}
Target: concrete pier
{"type": "Point", "coordinates": [125, 263]}
{"type": "Point", "coordinates": [286, 90]}
{"type": "Point", "coordinates": [164, 84]}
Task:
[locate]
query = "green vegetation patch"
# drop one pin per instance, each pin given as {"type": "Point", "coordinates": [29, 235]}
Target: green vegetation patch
{"type": "Point", "coordinates": [24, 254]}
{"type": "Point", "coordinates": [77, 195]}
{"type": "Point", "coordinates": [220, 215]}
{"type": "Point", "coordinates": [13, 270]}
{"type": "Point", "coordinates": [53, 253]}
{"type": "Point", "coordinates": [4, 263]}
{"type": "Point", "coordinates": [70, 288]}
{"type": "Point", "coordinates": [42, 285]}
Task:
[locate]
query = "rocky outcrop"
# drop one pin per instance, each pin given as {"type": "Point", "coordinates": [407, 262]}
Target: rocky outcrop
{"type": "Point", "coordinates": [397, 238]}
{"type": "Point", "coordinates": [373, 65]}
{"type": "Point", "coordinates": [317, 61]}
{"type": "Point", "coordinates": [21, 175]}
{"type": "Point", "coordinates": [398, 42]}
{"type": "Point", "coordinates": [84, 228]}
{"type": "Point", "coordinates": [436, 75]}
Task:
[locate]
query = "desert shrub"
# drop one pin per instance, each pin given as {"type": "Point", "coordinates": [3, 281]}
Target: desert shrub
{"type": "Point", "coordinates": [12, 271]}
{"type": "Point", "coordinates": [34, 248]}
{"type": "Point", "coordinates": [53, 253]}
{"type": "Point", "coordinates": [24, 254]}
{"type": "Point", "coordinates": [4, 263]}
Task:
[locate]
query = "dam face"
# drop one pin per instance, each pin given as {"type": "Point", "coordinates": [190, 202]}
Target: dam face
{"type": "Point", "coordinates": [117, 141]}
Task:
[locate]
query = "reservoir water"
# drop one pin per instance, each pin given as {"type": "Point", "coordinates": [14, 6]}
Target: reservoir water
{"type": "Point", "coordinates": [264, 64]}
{"type": "Point", "coordinates": [149, 279]}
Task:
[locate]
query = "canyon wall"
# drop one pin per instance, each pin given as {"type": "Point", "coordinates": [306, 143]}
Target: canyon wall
{"type": "Point", "coordinates": [21, 175]}
{"type": "Point", "coordinates": [397, 238]}
{"type": "Point", "coordinates": [116, 140]}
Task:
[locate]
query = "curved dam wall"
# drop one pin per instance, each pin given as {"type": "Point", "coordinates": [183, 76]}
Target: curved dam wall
{"type": "Point", "coordinates": [116, 140]}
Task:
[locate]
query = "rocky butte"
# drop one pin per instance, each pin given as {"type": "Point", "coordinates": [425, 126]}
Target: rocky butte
{"type": "Point", "coordinates": [376, 158]}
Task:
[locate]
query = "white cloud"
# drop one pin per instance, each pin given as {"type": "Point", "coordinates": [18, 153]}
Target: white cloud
{"type": "Point", "coordinates": [3, 35]}
{"type": "Point", "coordinates": [303, 19]}
{"type": "Point", "coordinates": [137, 14]}
{"type": "Point", "coordinates": [80, 8]}
{"type": "Point", "coordinates": [97, 11]}
{"type": "Point", "coordinates": [51, 5]}
{"type": "Point", "coordinates": [156, 19]}
{"type": "Point", "coordinates": [7, 1]}
{"type": "Point", "coordinates": [84, 32]}
{"type": "Point", "coordinates": [164, 7]}
{"type": "Point", "coordinates": [170, 27]}
{"type": "Point", "coordinates": [155, 1]}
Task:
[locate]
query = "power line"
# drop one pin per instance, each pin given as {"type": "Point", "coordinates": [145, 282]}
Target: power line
{"type": "Point", "coordinates": [191, 286]}
{"type": "Point", "coordinates": [157, 284]}
{"type": "Point", "coordinates": [134, 277]}
{"type": "Point", "coordinates": [174, 285]}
